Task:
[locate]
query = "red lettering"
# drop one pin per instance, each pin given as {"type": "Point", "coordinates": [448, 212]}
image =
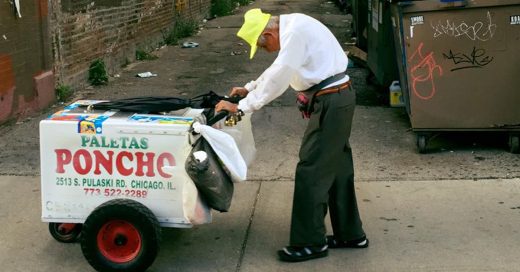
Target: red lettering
{"type": "Point", "coordinates": [102, 161]}
{"type": "Point", "coordinates": [63, 156]}
{"type": "Point", "coordinates": [119, 163]}
{"type": "Point", "coordinates": [141, 163]}
{"type": "Point", "coordinates": [160, 163]}
{"type": "Point", "coordinates": [76, 161]}
{"type": "Point", "coordinates": [126, 163]}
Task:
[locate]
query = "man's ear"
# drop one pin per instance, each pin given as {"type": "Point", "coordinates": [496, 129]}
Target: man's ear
{"type": "Point", "coordinates": [269, 32]}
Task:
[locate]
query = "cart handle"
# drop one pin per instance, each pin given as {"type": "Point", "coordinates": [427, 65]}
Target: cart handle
{"type": "Point", "coordinates": [221, 114]}
{"type": "Point", "coordinates": [217, 117]}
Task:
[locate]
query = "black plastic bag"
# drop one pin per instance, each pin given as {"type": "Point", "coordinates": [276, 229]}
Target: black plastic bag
{"type": "Point", "coordinates": [212, 181]}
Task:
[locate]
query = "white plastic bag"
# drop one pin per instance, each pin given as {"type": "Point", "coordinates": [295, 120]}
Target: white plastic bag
{"type": "Point", "coordinates": [195, 209]}
{"type": "Point", "coordinates": [227, 150]}
{"type": "Point", "coordinates": [243, 135]}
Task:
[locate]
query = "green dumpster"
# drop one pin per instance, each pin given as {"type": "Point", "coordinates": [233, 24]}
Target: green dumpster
{"type": "Point", "coordinates": [360, 16]}
{"type": "Point", "coordinates": [380, 48]}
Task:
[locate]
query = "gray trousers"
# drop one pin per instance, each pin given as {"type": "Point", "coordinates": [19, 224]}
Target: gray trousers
{"type": "Point", "coordinates": [325, 174]}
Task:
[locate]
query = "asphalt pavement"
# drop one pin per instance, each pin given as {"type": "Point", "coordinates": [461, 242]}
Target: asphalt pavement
{"type": "Point", "coordinates": [456, 208]}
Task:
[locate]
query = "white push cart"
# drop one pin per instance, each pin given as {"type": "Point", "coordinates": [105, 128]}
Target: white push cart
{"type": "Point", "coordinates": [111, 179]}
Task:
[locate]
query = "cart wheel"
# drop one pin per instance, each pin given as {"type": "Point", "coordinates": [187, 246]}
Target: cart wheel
{"type": "Point", "coordinates": [65, 232]}
{"type": "Point", "coordinates": [121, 235]}
{"type": "Point", "coordinates": [514, 143]}
{"type": "Point", "coordinates": [421, 143]}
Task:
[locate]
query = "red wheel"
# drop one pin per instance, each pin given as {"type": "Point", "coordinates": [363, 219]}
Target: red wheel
{"type": "Point", "coordinates": [121, 235]}
{"type": "Point", "coordinates": [119, 241]}
{"type": "Point", "coordinates": [65, 232]}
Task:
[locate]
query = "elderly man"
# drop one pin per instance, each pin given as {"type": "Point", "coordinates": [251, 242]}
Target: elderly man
{"type": "Point", "coordinates": [312, 62]}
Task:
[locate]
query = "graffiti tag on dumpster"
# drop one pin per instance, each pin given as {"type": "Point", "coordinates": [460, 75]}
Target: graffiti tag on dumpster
{"type": "Point", "coordinates": [417, 20]}
{"type": "Point", "coordinates": [422, 73]}
{"type": "Point", "coordinates": [515, 20]}
{"type": "Point", "coordinates": [480, 30]}
{"type": "Point", "coordinates": [476, 59]}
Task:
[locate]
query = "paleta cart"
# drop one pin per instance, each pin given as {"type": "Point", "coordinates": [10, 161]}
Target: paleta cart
{"type": "Point", "coordinates": [112, 179]}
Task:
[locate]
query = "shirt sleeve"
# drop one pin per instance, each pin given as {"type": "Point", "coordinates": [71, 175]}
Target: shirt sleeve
{"type": "Point", "coordinates": [275, 80]}
{"type": "Point", "coordinates": [270, 85]}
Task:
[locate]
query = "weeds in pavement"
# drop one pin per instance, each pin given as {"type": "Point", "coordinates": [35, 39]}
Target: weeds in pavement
{"type": "Point", "coordinates": [183, 28]}
{"type": "Point", "coordinates": [63, 92]}
{"type": "Point", "coordinates": [143, 55]}
{"type": "Point", "coordinates": [221, 7]}
{"type": "Point", "coordinates": [226, 7]}
{"type": "Point", "coordinates": [97, 73]}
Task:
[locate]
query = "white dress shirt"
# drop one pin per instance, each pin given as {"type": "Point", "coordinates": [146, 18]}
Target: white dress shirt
{"type": "Point", "coordinates": [309, 53]}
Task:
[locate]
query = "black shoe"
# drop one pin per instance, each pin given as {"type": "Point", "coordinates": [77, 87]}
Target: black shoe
{"type": "Point", "coordinates": [332, 242]}
{"type": "Point", "coordinates": [299, 254]}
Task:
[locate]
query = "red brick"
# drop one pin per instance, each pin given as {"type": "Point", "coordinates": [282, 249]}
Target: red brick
{"type": "Point", "coordinates": [44, 85]}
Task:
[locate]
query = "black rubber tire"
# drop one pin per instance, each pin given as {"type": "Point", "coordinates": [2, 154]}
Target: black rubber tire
{"type": "Point", "coordinates": [422, 141]}
{"type": "Point", "coordinates": [131, 213]}
{"type": "Point", "coordinates": [514, 143]}
{"type": "Point", "coordinates": [61, 237]}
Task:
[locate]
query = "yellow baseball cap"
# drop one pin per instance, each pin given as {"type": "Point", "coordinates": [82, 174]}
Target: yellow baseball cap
{"type": "Point", "coordinates": [254, 23]}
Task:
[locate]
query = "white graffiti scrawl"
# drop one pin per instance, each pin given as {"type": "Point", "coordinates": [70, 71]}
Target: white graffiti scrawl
{"type": "Point", "coordinates": [483, 31]}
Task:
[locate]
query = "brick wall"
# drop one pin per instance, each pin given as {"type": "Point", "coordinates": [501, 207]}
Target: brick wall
{"type": "Point", "coordinates": [55, 41]}
{"type": "Point", "coordinates": [26, 78]}
{"type": "Point", "coordinates": [85, 30]}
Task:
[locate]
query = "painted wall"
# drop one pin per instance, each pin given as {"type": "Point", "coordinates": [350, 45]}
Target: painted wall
{"type": "Point", "coordinates": [26, 77]}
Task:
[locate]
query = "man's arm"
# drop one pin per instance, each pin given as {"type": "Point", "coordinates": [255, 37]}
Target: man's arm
{"type": "Point", "coordinates": [274, 83]}
{"type": "Point", "coordinates": [275, 79]}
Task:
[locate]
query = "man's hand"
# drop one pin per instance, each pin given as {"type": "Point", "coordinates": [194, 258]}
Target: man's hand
{"type": "Point", "coordinates": [238, 91]}
{"type": "Point", "coordinates": [227, 106]}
